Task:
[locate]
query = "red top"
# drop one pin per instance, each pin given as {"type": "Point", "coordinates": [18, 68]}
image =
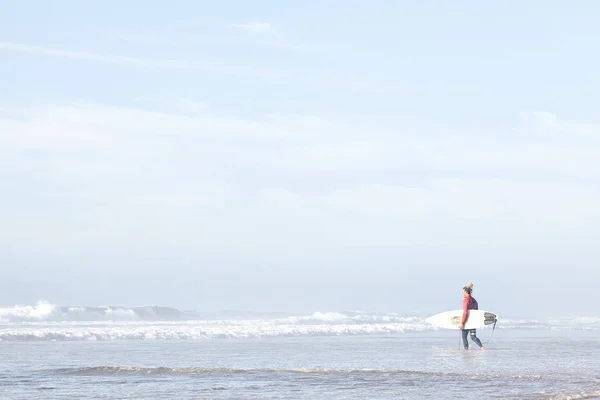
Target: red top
{"type": "Point", "coordinates": [469, 303]}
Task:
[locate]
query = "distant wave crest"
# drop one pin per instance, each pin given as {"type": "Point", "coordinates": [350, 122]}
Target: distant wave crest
{"type": "Point", "coordinates": [47, 312]}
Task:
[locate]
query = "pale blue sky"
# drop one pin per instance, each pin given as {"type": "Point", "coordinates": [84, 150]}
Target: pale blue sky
{"type": "Point", "coordinates": [300, 156]}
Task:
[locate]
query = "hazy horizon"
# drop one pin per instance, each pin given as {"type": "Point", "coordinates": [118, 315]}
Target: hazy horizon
{"type": "Point", "coordinates": [229, 155]}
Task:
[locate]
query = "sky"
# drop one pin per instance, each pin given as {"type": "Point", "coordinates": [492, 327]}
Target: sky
{"type": "Point", "coordinates": [315, 156]}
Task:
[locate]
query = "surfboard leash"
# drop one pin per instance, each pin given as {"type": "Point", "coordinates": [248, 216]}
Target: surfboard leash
{"type": "Point", "coordinates": [493, 330]}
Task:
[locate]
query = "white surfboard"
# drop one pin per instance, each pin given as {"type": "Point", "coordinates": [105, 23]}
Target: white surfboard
{"type": "Point", "coordinates": [451, 319]}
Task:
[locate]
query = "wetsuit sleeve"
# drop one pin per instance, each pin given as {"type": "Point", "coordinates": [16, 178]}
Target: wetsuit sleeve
{"type": "Point", "coordinates": [465, 311]}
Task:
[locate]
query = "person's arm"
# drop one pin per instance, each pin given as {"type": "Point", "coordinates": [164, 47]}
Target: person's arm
{"type": "Point", "coordinates": [465, 311]}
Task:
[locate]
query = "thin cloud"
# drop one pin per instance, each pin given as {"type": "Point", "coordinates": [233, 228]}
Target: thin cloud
{"type": "Point", "coordinates": [209, 178]}
{"type": "Point", "coordinates": [313, 143]}
{"type": "Point", "coordinates": [358, 84]}
{"type": "Point", "coordinates": [145, 62]}
{"type": "Point", "coordinates": [111, 59]}
{"type": "Point", "coordinates": [274, 37]}
{"type": "Point", "coordinates": [263, 34]}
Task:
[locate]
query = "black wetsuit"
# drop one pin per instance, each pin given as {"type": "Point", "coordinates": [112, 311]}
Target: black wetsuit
{"type": "Point", "coordinates": [470, 304]}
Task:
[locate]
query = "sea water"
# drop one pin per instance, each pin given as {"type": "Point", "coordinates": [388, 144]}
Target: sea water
{"type": "Point", "coordinates": [49, 352]}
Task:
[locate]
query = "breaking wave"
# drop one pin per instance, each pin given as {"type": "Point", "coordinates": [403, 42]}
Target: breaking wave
{"type": "Point", "coordinates": [48, 322]}
{"type": "Point", "coordinates": [47, 312]}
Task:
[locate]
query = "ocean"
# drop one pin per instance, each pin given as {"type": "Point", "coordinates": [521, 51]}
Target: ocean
{"type": "Point", "coordinates": [50, 352]}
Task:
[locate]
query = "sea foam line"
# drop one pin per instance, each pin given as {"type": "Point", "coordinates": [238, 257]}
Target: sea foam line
{"type": "Point", "coordinates": [195, 332]}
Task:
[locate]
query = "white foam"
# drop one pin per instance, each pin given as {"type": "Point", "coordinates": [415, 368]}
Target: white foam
{"type": "Point", "coordinates": [194, 330]}
{"type": "Point", "coordinates": [42, 311]}
{"type": "Point", "coordinates": [350, 318]}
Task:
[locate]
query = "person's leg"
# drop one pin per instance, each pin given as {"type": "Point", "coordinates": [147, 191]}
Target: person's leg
{"type": "Point", "coordinates": [475, 338]}
{"type": "Point", "coordinates": [465, 334]}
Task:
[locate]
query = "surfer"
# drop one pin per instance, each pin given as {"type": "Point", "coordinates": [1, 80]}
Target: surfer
{"type": "Point", "coordinates": [469, 303]}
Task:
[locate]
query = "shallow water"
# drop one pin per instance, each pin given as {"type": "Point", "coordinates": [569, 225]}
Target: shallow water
{"type": "Point", "coordinates": [516, 365]}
